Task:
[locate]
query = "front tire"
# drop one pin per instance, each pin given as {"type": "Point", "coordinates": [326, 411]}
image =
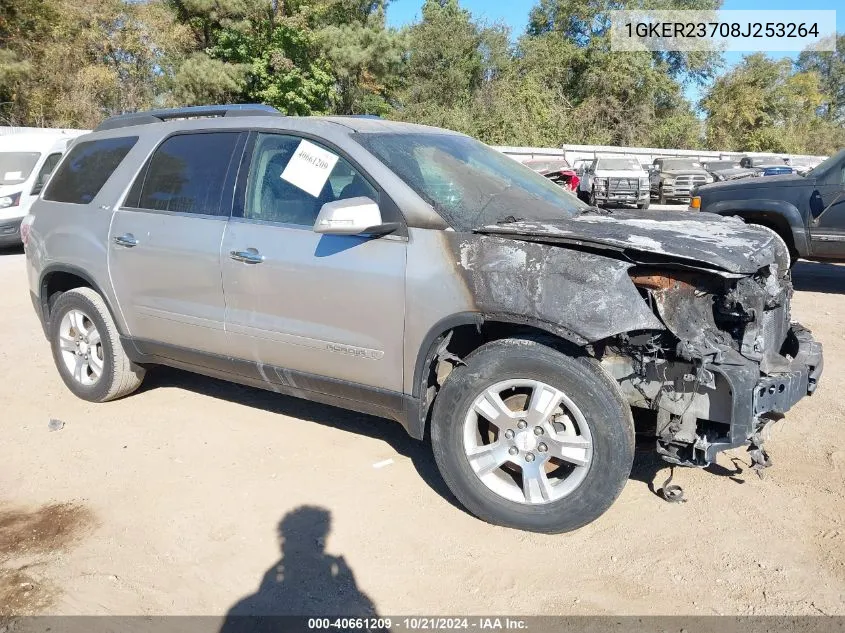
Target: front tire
{"type": "Point", "coordinates": [530, 438]}
{"type": "Point", "coordinates": [87, 349]}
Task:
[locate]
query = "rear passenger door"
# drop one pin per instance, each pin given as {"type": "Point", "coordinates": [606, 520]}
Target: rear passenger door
{"type": "Point", "coordinates": [332, 306]}
{"type": "Point", "coordinates": [164, 242]}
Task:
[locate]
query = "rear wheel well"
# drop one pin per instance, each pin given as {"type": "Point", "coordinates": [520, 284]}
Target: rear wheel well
{"type": "Point", "coordinates": [457, 342]}
{"type": "Point", "coordinates": [56, 283]}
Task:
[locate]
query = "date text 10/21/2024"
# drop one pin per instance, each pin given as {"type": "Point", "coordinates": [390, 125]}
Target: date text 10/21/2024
{"type": "Point", "coordinates": [418, 623]}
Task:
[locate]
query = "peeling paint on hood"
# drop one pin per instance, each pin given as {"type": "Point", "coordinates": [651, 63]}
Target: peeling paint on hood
{"type": "Point", "coordinates": [699, 239]}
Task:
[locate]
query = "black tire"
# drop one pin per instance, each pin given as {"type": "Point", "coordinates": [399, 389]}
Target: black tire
{"type": "Point", "coordinates": [119, 376]}
{"type": "Point", "coordinates": [644, 205]}
{"type": "Point", "coordinates": [591, 390]}
{"type": "Point", "coordinates": [661, 199]}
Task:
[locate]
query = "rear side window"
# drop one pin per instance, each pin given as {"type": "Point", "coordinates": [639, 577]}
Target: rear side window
{"type": "Point", "coordinates": [88, 166]}
{"type": "Point", "coordinates": [188, 173]}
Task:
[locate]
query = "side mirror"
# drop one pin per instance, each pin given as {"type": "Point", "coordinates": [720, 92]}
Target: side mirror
{"type": "Point", "coordinates": [353, 216]}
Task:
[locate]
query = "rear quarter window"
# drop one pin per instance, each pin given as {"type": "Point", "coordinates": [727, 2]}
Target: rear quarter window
{"type": "Point", "coordinates": [86, 169]}
{"type": "Point", "coordinates": [188, 173]}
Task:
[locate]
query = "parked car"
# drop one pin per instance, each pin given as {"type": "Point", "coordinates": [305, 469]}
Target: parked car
{"type": "Point", "coordinates": [761, 161]}
{"type": "Point", "coordinates": [767, 165]}
{"type": "Point", "coordinates": [807, 212]}
{"type": "Point", "coordinates": [614, 180]}
{"type": "Point", "coordinates": [675, 178]}
{"type": "Point", "coordinates": [729, 170]}
{"type": "Point", "coordinates": [556, 170]}
{"type": "Point", "coordinates": [324, 258]}
{"type": "Point", "coordinates": [26, 161]}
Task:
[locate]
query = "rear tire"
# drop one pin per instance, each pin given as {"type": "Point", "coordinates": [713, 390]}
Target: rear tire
{"type": "Point", "coordinates": [589, 436]}
{"type": "Point", "coordinates": [87, 349]}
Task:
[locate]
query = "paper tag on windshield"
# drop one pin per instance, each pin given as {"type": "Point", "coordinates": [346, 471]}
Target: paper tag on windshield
{"type": "Point", "coordinates": [309, 168]}
{"type": "Point", "coordinates": [12, 175]}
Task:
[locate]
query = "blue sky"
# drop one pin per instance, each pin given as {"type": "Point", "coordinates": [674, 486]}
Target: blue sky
{"type": "Point", "coordinates": [515, 14]}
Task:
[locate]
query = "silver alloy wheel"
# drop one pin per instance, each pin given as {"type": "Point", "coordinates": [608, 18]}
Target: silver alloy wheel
{"type": "Point", "coordinates": [527, 441]}
{"type": "Point", "coordinates": [81, 347]}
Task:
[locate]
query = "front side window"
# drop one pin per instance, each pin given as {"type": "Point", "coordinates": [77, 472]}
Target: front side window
{"type": "Point", "coordinates": [292, 178]}
{"type": "Point", "coordinates": [468, 183]}
{"type": "Point", "coordinates": [87, 168]}
{"type": "Point", "coordinates": [186, 174]}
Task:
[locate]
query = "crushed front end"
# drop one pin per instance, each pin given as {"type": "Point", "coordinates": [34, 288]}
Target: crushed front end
{"type": "Point", "coordinates": [729, 363]}
{"type": "Point", "coordinates": [721, 359]}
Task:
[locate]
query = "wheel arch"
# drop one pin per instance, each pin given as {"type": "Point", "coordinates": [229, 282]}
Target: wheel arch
{"type": "Point", "coordinates": [58, 278]}
{"type": "Point", "coordinates": [778, 215]}
{"type": "Point", "coordinates": [466, 332]}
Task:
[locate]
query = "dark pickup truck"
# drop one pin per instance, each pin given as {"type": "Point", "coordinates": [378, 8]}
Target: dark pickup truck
{"type": "Point", "coordinates": [807, 212]}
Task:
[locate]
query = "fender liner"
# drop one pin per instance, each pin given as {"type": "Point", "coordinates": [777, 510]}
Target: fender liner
{"type": "Point", "coordinates": [432, 339]}
{"type": "Point", "coordinates": [779, 208]}
{"type": "Point", "coordinates": [43, 300]}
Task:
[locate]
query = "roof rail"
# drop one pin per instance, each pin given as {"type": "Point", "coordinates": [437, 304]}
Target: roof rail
{"type": "Point", "coordinates": [158, 116]}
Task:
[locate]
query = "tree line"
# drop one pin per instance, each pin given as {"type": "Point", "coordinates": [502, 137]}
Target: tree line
{"type": "Point", "coordinates": [66, 63]}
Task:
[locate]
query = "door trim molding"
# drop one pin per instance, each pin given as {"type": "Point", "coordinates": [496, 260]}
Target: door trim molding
{"type": "Point", "coordinates": [340, 393]}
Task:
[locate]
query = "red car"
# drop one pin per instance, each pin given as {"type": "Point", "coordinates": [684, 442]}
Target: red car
{"type": "Point", "coordinates": [557, 170]}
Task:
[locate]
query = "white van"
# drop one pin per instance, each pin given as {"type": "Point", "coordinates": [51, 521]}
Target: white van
{"type": "Point", "coordinates": [26, 161]}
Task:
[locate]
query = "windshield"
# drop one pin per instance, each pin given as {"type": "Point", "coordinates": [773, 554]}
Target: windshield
{"type": "Point", "coordinates": [468, 183]}
{"type": "Point", "coordinates": [826, 164]}
{"type": "Point", "coordinates": [621, 164]}
{"type": "Point", "coordinates": [15, 167]}
{"type": "Point", "coordinates": [681, 164]}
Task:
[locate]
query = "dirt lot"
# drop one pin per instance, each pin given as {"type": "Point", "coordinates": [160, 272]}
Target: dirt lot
{"type": "Point", "coordinates": [194, 496]}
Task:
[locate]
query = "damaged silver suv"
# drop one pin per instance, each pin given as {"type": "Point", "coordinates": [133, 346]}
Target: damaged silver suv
{"type": "Point", "coordinates": [416, 274]}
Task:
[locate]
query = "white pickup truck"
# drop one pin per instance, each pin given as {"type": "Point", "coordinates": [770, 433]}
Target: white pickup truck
{"type": "Point", "coordinates": [614, 180]}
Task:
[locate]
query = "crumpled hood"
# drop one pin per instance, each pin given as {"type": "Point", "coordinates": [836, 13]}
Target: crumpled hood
{"type": "Point", "coordinates": [702, 240]}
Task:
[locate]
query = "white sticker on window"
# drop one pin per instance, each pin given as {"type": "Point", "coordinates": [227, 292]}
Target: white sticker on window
{"type": "Point", "coordinates": [12, 175]}
{"type": "Point", "coordinates": [309, 168]}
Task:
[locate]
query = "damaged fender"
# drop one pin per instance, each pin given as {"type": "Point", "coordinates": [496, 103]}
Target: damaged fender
{"type": "Point", "coordinates": [579, 295]}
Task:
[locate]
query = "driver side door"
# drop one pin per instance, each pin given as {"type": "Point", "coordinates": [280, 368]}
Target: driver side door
{"type": "Point", "coordinates": [827, 229]}
{"type": "Point", "coordinates": [300, 304]}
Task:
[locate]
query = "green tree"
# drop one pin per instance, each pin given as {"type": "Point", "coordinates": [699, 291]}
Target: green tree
{"type": "Point", "coordinates": [766, 105]}
{"type": "Point", "coordinates": [830, 67]}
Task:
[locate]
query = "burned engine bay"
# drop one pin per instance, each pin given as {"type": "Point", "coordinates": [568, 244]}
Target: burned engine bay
{"type": "Point", "coordinates": [691, 316]}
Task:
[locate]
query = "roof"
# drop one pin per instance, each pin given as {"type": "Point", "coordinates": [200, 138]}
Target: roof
{"type": "Point", "coordinates": [248, 113]}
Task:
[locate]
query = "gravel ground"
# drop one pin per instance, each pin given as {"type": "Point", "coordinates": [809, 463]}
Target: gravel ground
{"type": "Point", "coordinates": [194, 496]}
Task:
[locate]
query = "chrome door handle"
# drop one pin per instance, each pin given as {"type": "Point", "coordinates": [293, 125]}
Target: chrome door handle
{"type": "Point", "coordinates": [249, 256]}
{"type": "Point", "coordinates": [128, 240]}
